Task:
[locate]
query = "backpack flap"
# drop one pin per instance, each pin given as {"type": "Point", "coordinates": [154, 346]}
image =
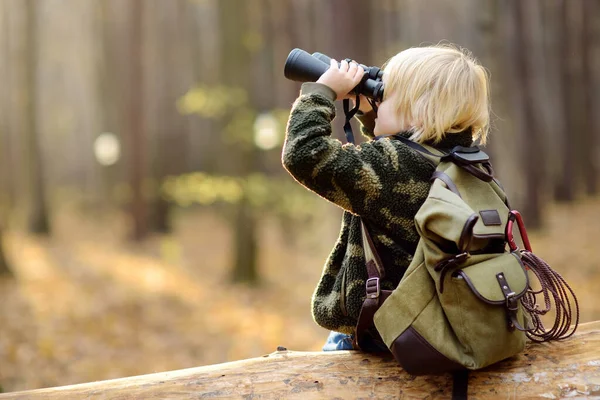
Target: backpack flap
{"type": "Point", "coordinates": [440, 222]}
{"type": "Point", "coordinates": [451, 223]}
{"type": "Point", "coordinates": [484, 199]}
{"type": "Point", "coordinates": [491, 280]}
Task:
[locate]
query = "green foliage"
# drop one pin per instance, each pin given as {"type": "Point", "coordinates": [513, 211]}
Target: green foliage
{"type": "Point", "coordinates": [253, 41]}
{"type": "Point", "coordinates": [230, 104]}
{"type": "Point", "coordinates": [277, 195]}
{"type": "Point", "coordinates": [213, 101]}
{"type": "Point", "coordinates": [201, 188]}
{"type": "Point", "coordinates": [240, 127]}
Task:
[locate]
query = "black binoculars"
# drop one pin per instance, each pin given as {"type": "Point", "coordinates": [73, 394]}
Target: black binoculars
{"type": "Point", "coordinates": [301, 66]}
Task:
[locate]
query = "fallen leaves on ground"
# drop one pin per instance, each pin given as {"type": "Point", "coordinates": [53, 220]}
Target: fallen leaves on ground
{"type": "Point", "coordinates": [86, 305]}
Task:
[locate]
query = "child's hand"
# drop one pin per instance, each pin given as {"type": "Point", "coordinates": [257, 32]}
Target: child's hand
{"type": "Point", "coordinates": [342, 79]}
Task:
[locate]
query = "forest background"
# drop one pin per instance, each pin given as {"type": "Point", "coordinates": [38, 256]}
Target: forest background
{"type": "Point", "coordinates": [146, 221]}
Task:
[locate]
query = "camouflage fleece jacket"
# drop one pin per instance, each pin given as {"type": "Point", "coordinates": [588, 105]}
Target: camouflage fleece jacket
{"type": "Point", "coordinates": [383, 181]}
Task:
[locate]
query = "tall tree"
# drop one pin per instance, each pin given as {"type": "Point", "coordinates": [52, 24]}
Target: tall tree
{"type": "Point", "coordinates": [532, 149]}
{"type": "Point", "coordinates": [158, 119]}
{"type": "Point", "coordinates": [235, 56]}
{"type": "Point", "coordinates": [108, 102]}
{"type": "Point", "coordinates": [279, 34]}
{"type": "Point", "coordinates": [167, 125]}
{"type": "Point", "coordinates": [566, 184]}
{"type": "Point", "coordinates": [488, 47]}
{"type": "Point", "coordinates": [553, 92]}
{"type": "Point", "coordinates": [352, 37]}
{"type": "Point", "coordinates": [5, 134]}
{"type": "Point", "coordinates": [590, 167]}
{"type": "Point", "coordinates": [6, 124]}
{"type": "Point", "coordinates": [38, 217]}
{"type": "Point", "coordinates": [136, 145]}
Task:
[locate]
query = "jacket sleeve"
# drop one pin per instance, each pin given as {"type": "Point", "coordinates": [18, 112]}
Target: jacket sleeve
{"type": "Point", "coordinates": [355, 178]}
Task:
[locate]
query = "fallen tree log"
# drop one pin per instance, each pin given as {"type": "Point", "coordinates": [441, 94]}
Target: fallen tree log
{"type": "Point", "coordinates": [549, 370]}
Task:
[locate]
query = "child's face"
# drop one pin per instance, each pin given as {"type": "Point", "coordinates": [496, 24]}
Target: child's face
{"type": "Point", "coordinates": [387, 121]}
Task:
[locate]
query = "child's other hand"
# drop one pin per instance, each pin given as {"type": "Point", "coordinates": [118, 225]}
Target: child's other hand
{"type": "Point", "coordinates": [342, 79]}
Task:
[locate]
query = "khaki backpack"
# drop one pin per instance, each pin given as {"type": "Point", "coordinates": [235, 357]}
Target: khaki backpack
{"type": "Point", "coordinates": [465, 301]}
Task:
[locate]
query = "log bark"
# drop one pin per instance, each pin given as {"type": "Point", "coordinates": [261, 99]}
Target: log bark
{"type": "Point", "coordinates": [550, 370]}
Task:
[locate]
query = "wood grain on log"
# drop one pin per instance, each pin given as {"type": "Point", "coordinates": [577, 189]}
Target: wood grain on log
{"type": "Point", "coordinates": [550, 370]}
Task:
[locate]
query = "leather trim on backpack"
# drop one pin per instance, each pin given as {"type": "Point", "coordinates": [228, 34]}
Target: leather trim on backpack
{"type": "Point", "coordinates": [489, 236]}
{"type": "Point", "coordinates": [467, 233]}
{"type": "Point", "coordinates": [418, 357]}
{"type": "Point", "coordinates": [490, 217]}
{"type": "Point", "coordinates": [442, 176]}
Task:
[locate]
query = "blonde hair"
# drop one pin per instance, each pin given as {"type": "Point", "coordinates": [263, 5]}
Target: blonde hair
{"type": "Point", "coordinates": [437, 90]}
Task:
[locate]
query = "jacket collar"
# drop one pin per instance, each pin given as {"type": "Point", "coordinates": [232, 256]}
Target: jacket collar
{"type": "Point", "coordinates": [449, 141]}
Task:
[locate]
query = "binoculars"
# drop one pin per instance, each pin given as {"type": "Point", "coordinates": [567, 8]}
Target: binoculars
{"type": "Point", "coordinates": [301, 66]}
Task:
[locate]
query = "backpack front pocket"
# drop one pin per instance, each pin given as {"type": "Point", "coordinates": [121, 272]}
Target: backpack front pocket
{"type": "Point", "coordinates": [481, 301]}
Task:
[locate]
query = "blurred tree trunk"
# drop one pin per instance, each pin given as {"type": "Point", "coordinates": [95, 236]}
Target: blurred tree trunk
{"type": "Point", "coordinates": [201, 148]}
{"type": "Point", "coordinates": [352, 37]}
{"type": "Point", "coordinates": [168, 126]}
{"type": "Point", "coordinates": [554, 118]}
{"type": "Point", "coordinates": [235, 58]}
{"type": "Point", "coordinates": [280, 21]}
{"type": "Point", "coordinates": [135, 97]}
{"type": "Point", "coordinates": [206, 149]}
{"type": "Point", "coordinates": [351, 30]}
{"type": "Point", "coordinates": [488, 47]}
{"type": "Point", "coordinates": [532, 145]}
{"type": "Point", "coordinates": [590, 138]}
{"type": "Point", "coordinates": [565, 187]}
{"type": "Point", "coordinates": [577, 94]}
{"type": "Point", "coordinates": [594, 26]}
{"type": "Point", "coordinates": [495, 40]}
{"type": "Point", "coordinates": [8, 187]}
{"type": "Point", "coordinates": [5, 118]}
{"type": "Point", "coordinates": [160, 123]}
{"type": "Point", "coordinates": [302, 30]}
{"type": "Point", "coordinates": [38, 219]}
{"type": "Point", "coordinates": [108, 101]}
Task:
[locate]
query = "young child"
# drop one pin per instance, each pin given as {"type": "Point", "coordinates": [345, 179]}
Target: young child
{"type": "Point", "coordinates": [436, 95]}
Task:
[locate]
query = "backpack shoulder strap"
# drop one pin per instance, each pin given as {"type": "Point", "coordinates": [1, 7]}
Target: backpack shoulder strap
{"type": "Point", "coordinates": [429, 153]}
{"type": "Point", "coordinates": [375, 296]}
{"type": "Point", "coordinates": [468, 158]}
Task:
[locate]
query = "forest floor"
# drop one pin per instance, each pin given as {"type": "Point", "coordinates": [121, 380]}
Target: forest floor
{"type": "Point", "coordinates": [86, 305]}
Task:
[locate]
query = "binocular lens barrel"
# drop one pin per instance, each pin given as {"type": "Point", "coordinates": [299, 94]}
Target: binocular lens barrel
{"type": "Point", "coordinates": [373, 72]}
{"type": "Point", "coordinates": [301, 66]}
{"type": "Point", "coordinates": [322, 57]}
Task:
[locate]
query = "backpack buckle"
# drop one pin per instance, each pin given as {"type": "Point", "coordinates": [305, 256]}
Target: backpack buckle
{"type": "Point", "coordinates": [373, 288]}
{"type": "Point", "coordinates": [468, 155]}
{"type": "Point", "coordinates": [462, 257]}
{"type": "Point", "coordinates": [455, 260]}
{"type": "Point", "coordinates": [511, 302]}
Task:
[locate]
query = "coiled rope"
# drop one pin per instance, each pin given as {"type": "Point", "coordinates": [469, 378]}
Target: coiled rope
{"type": "Point", "coordinates": [554, 290]}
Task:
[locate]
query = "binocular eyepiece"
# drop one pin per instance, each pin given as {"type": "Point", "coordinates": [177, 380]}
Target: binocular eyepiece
{"type": "Point", "coordinates": [301, 66]}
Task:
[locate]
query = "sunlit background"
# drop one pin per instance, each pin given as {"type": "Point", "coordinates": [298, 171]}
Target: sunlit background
{"type": "Point", "coordinates": [146, 221]}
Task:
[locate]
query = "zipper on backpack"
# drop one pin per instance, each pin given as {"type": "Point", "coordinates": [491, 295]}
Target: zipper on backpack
{"type": "Point", "coordinates": [343, 294]}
